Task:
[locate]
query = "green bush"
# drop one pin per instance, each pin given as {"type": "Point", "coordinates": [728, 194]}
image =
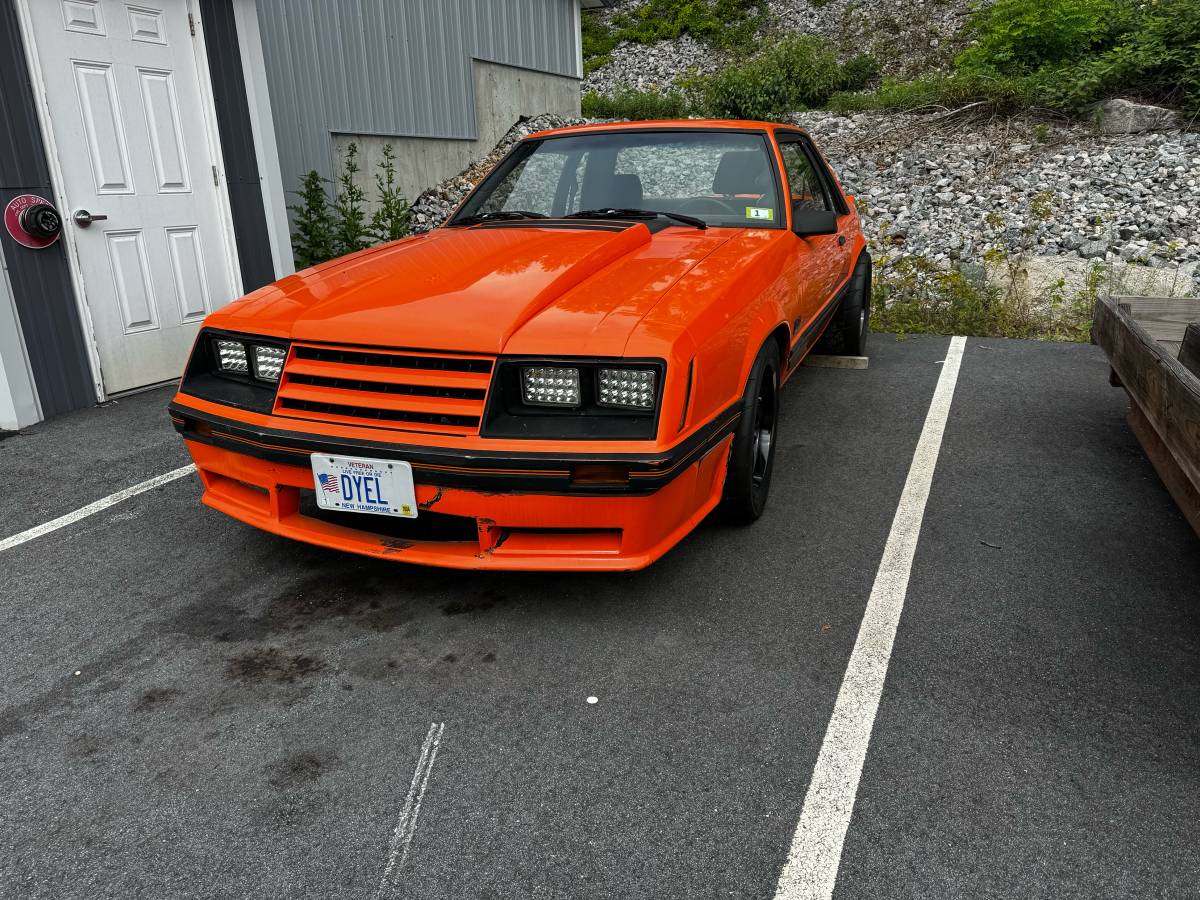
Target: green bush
{"type": "Point", "coordinates": [914, 296]}
{"type": "Point", "coordinates": [392, 218]}
{"type": "Point", "coordinates": [313, 236]}
{"type": "Point", "coordinates": [1004, 94]}
{"type": "Point", "coordinates": [1061, 54]}
{"type": "Point", "coordinates": [796, 74]}
{"type": "Point", "coordinates": [721, 23]}
{"type": "Point", "coordinates": [1019, 37]}
{"type": "Point", "coordinates": [1157, 56]}
{"type": "Point", "coordinates": [350, 233]}
{"type": "Point", "coordinates": [636, 105]}
{"type": "Point", "coordinates": [323, 230]}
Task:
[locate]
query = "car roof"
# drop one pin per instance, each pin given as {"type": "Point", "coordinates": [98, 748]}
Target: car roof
{"type": "Point", "coordinates": [651, 124]}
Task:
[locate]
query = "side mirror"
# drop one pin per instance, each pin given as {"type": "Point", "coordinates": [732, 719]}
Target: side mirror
{"type": "Point", "coordinates": [807, 221]}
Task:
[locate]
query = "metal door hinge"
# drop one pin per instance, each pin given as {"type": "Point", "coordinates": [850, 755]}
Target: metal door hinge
{"type": "Point", "coordinates": [216, 180]}
{"type": "Point", "coordinates": [192, 24]}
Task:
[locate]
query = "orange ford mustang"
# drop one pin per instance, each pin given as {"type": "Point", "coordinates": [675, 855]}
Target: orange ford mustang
{"type": "Point", "coordinates": [571, 373]}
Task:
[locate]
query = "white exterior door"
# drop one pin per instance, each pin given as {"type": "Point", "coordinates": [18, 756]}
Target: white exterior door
{"type": "Point", "coordinates": [127, 115]}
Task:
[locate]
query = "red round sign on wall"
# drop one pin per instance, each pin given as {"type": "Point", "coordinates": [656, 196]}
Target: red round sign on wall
{"type": "Point", "coordinates": [32, 221]}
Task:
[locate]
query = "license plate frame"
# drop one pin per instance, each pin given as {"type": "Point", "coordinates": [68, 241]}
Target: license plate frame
{"type": "Point", "coordinates": [381, 487]}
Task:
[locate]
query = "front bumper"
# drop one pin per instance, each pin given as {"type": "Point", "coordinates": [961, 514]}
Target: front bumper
{"type": "Point", "coordinates": [471, 516]}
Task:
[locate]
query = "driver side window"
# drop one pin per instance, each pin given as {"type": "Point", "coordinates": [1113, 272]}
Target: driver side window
{"type": "Point", "coordinates": [807, 190]}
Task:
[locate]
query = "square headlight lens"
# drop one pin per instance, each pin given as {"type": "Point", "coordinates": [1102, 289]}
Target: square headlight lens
{"type": "Point", "coordinates": [546, 386]}
{"type": "Point", "coordinates": [628, 388]}
{"type": "Point", "coordinates": [231, 356]}
{"type": "Point", "coordinates": [268, 362]}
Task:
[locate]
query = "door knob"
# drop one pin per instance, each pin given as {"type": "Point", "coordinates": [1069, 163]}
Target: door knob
{"type": "Point", "coordinates": [83, 218]}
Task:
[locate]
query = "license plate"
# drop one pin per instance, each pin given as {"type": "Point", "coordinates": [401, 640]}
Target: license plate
{"type": "Point", "coordinates": [352, 484]}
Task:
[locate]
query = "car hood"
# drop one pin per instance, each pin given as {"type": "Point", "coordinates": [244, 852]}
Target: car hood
{"type": "Point", "coordinates": [580, 287]}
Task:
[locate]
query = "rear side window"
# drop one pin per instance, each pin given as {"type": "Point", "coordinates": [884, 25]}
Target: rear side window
{"type": "Point", "coordinates": [807, 189]}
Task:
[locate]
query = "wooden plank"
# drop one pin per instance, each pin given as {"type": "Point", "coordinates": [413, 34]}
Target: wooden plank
{"type": "Point", "coordinates": [1164, 318]}
{"type": "Point", "coordinates": [1164, 390]}
{"type": "Point", "coordinates": [836, 362]}
{"type": "Point", "coordinates": [1189, 351]}
{"type": "Point", "coordinates": [1184, 493]}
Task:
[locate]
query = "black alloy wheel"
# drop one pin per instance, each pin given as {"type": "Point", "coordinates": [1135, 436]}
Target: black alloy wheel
{"type": "Point", "coordinates": [752, 457]}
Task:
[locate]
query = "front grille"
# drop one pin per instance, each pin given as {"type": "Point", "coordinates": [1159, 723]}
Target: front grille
{"type": "Point", "coordinates": [402, 390]}
{"type": "Point", "coordinates": [392, 360]}
{"type": "Point", "coordinates": [382, 387]}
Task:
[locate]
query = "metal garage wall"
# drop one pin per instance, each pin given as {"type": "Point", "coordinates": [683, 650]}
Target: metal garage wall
{"type": "Point", "coordinates": [237, 144]}
{"type": "Point", "coordinates": [41, 281]}
{"type": "Point", "coordinates": [396, 67]}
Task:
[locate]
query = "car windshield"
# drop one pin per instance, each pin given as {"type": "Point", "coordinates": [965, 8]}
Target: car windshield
{"type": "Point", "coordinates": [724, 178]}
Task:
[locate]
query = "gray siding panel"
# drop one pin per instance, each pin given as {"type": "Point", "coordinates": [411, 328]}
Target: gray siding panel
{"type": "Point", "coordinates": [41, 281]}
{"type": "Point", "coordinates": [396, 67]}
{"type": "Point", "coordinates": [237, 144]}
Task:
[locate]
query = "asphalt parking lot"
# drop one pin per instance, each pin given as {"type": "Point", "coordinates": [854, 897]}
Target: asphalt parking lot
{"type": "Point", "coordinates": [191, 708]}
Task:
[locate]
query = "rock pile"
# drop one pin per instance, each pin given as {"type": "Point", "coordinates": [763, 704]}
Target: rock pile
{"type": "Point", "coordinates": [950, 190]}
{"type": "Point", "coordinates": [906, 36]}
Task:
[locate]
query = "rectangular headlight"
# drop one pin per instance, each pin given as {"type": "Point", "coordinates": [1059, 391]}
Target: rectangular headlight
{"type": "Point", "coordinates": [550, 386]}
{"type": "Point", "coordinates": [268, 362]}
{"type": "Point", "coordinates": [627, 388]}
{"type": "Point", "coordinates": [231, 356]}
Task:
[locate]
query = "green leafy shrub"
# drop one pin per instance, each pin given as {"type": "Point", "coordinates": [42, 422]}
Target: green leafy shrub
{"type": "Point", "coordinates": [1156, 55]}
{"type": "Point", "coordinates": [392, 218]}
{"type": "Point", "coordinates": [796, 74]}
{"type": "Point", "coordinates": [1004, 94]}
{"type": "Point", "coordinates": [914, 296]}
{"type": "Point", "coordinates": [324, 230]}
{"type": "Point", "coordinates": [313, 236]}
{"type": "Point", "coordinates": [597, 39]}
{"type": "Point", "coordinates": [1061, 54]}
{"type": "Point", "coordinates": [635, 105]}
{"type": "Point", "coordinates": [350, 233]}
{"type": "Point", "coordinates": [1019, 37]}
{"type": "Point", "coordinates": [720, 23]}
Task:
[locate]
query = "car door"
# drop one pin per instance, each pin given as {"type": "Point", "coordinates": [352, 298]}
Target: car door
{"type": "Point", "coordinates": [824, 259]}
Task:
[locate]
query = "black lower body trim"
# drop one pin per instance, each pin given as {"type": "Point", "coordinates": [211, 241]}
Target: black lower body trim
{"type": "Point", "coordinates": [813, 331]}
{"type": "Point", "coordinates": [544, 473]}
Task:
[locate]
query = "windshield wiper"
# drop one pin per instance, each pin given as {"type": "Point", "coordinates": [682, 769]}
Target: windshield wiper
{"type": "Point", "coordinates": [498, 215]}
{"type": "Point", "coordinates": [629, 213]}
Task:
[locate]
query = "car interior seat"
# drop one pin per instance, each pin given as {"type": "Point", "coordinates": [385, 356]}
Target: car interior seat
{"type": "Point", "coordinates": [615, 191]}
{"type": "Point", "coordinates": [741, 173]}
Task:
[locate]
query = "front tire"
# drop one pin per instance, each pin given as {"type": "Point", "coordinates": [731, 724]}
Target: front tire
{"type": "Point", "coordinates": [848, 330]}
{"type": "Point", "coordinates": [752, 457]}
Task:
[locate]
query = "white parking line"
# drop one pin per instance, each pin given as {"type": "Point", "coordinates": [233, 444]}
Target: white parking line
{"type": "Point", "coordinates": [92, 508]}
{"type": "Point", "coordinates": [406, 827]}
{"type": "Point", "coordinates": [812, 865]}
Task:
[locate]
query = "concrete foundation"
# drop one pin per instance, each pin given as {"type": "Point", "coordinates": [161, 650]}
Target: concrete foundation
{"type": "Point", "coordinates": [502, 95]}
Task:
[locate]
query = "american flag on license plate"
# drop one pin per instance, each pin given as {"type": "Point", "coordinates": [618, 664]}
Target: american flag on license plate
{"type": "Point", "coordinates": [329, 483]}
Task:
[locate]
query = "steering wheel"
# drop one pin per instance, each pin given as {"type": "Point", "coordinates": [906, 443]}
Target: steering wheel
{"type": "Point", "coordinates": [702, 205]}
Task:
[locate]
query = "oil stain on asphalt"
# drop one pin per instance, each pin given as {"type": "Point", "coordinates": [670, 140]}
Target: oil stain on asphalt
{"type": "Point", "coordinates": [271, 664]}
{"type": "Point", "coordinates": [153, 698]}
{"type": "Point", "coordinates": [300, 768]}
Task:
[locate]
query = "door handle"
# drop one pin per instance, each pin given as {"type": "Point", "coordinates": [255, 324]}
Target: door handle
{"type": "Point", "coordinates": [83, 218]}
{"type": "Point", "coordinates": [841, 240]}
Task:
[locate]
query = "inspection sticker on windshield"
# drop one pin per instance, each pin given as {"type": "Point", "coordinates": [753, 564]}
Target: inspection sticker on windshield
{"type": "Point", "coordinates": [353, 484]}
{"type": "Point", "coordinates": [760, 212]}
